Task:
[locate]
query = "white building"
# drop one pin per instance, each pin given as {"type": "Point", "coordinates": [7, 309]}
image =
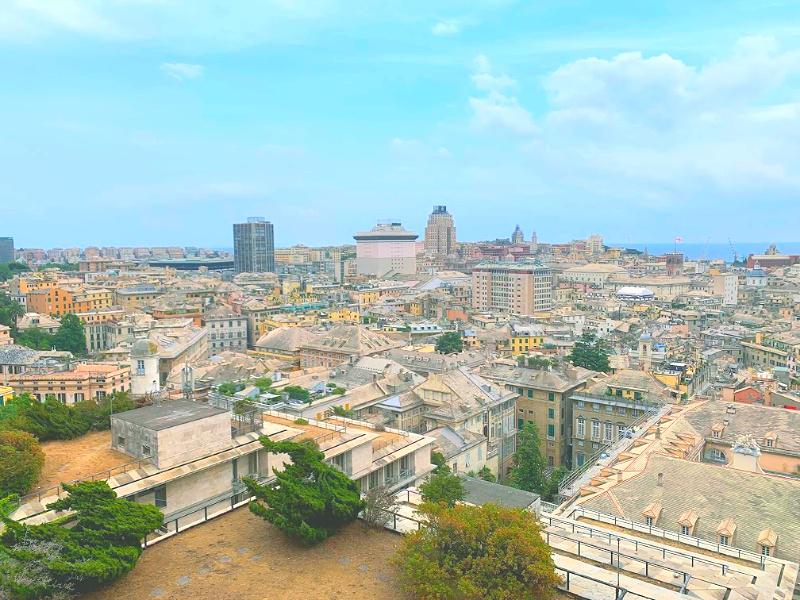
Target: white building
{"type": "Point", "coordinates": [144, 368]}
{"type": "Point", "coordinates": [387, 247]}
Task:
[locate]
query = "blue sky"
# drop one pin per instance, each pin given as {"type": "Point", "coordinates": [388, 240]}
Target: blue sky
{"type": "Point", "coordinates": [136, 122]}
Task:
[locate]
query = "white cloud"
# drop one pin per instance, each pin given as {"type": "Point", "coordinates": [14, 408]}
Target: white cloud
{"type": "Point", "coordinates": [497, 109]}
{"type": "Point", "coordinates": [485, 80]}
{"type": "Point", "coordinates": [446, 27]}
{"type": "Point", "coordinates": [182, 71]}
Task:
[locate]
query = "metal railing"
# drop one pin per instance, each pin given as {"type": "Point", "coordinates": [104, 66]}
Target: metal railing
{"type": "Point", "coordinates": [577, 528]}
{"type": "Point", "coordinates": [57, 490]}
{"type": "Point", "coordinates": [571, 577]}
{"type": "Point", "coordinates": [669, 535]}
{"type": "Point", "coordinates": [616, 555]}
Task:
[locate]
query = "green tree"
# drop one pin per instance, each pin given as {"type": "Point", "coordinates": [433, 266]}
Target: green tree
{"type": "Point", "coordinates": [530, 471]}
{"type": "Point", "coordinates": [539, 362]}
{"type": "Point", "coordinates": [97, 543]}
{"type": "Point", "coordinates": [10, 311]}
{"type": "Point", "coordinates": [297, 393]}
{"type": "Point", "coordinates": [449, 343]}
{"type": "Point", "coordinates": [264, 384]}
{"type": "Point", "coordinates": [486, 474]}
{"type": "Point", "coordinates": [35, 338]}
{"type": "Point", "coordinates": [9, 270]}
{"type": "Point", "coordinates": [60, 266]}
{"type": "Point", "coordinates": [443, 487]}
{"type": "Point", "coordinates": [70, 336]}
{"type": "Point", "coordinates": [341, 411]}
{"type": "Point", "coordinates": [476, 553]}
{"type": "Point", "coordinates": [229, 388]}
{"type": "Point", "coordinates": [21, 461]}
{"type": "Point", "coordinates": [309, 499]}
{"type": "Point", "coordinates": [590, 352]}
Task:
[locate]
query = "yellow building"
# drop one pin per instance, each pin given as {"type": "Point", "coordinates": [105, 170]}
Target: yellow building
{"type": "Point", "coordinates": [92, 300]}
{"type": "Point", "coordinates": [6, 393]}
{"type": "Point", "coordinates": [344, 315]}
{"type": "Point", "coordinates": [523, 339]}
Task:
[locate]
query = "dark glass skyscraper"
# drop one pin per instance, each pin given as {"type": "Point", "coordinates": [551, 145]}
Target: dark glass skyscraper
{"type": "Point", "coordinates": [253, 246]}
{"type": "Point", "coordinates": [6, 250]}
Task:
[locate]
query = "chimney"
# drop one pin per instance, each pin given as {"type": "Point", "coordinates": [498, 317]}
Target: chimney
{"type": "Point", "coordinates": [660, 480]}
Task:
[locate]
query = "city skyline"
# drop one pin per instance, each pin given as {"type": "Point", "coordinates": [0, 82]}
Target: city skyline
{"type": "Point", "coordinates": [569, 128]}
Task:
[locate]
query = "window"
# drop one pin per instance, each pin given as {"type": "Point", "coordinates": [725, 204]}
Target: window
{"type": "Point", "coordinates": [140, 367]}
{"type": "Point", "coordinates": [120, 441]}
{"type": "Point", "coordinates": [520, 424]}
{"type": "Point", "coordinates": [145, 450]}
{"type": "Point", "coordinates": [595, 429]}
{"type": "Point", "coordinates": [580, 427]}
{"type": "Point", "coordinates": [551, 431]}
{"type": "Point", "coordinates": [608, 431]}
{"type": "Point", "coordinates": [580, 459]}
{"type": "Point", "coordinates": [530, 393]}
{"type": "Point", "coordinates": [715, 434]}
{"type": "Point", "coordinates": [765, 550]}
{"type": "Point", "coordinates": [769, 445]}
{"type": "Point", "coordinates": [724, 540]}
{"type": "Point", "coordinates": [648, 521]}
{"type": "Point", "coordinates": [551, 396]}
{"type": "Point", "coordinates": [551, 413]}
{"type": "Point", "coordinates": [685, 530]}
{"type": "Point", "coordinates": [160, 496]}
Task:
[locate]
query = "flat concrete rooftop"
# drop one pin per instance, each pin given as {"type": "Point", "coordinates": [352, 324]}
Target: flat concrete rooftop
{"type": "Point", "coordinates": [168, 414]}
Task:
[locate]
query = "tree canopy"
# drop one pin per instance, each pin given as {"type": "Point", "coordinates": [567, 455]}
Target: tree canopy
{"type": "Point", "coordinates": [8, 270]}
{"type": "Point", "coordinates": [443, 487]}
{"type": "Point", "coordinates": [309, 499]}
{"type": "Point", "coordinates": [70, 337]}
{"type": "Point", "coordinates": [449, 343]}
{"type": "Point", "coordinates": [475, 553]}
{"type": "Point", "coordinates": [590, 352]}
{"type": "Point", "coordinates": [21, 461]}
{"type": "Point", "coordinates": [53, 420]}
{"type": "Point", "coordinates": [97, 543]}
{"type": "Point", "coordinates": [530, 471]}
{"type": "Point", "coordinates": [10, 310]}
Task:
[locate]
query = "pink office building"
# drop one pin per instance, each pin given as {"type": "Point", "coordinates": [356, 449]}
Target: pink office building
{"type": "Point", "coordinates": [386, 248]}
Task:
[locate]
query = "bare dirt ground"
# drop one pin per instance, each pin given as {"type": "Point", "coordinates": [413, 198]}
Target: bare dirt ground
{"type": "Point", "coordinates": [238, 556]}
{"type": "Point", "coordinates": [67, 460]}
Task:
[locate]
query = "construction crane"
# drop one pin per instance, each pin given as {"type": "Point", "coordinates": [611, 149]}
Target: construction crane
{"type": "Point", "coordinates": [733, 251]}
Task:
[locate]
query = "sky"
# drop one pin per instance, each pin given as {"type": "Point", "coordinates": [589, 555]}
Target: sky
{"type": "Point", "coordinates": [155, 122]}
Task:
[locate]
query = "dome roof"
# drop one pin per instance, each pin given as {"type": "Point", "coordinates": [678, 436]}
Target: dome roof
{"type": "Point", "coordinates": [635, 291]}
{"type": "Point", "coordinates": [143, 348]}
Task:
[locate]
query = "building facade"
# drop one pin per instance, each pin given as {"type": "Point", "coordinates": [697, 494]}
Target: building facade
{"type": "Point", "coordinates": [227, 331]}
{"type": "Point", "coordinates": [440, 234]}
{"type": "Point", "coordinates": [6, 250]}
{"type": "Point", "coordinates": [84, 382]}
{"type": "Point", "coordinates": [387, 247]}
{"type": "Point", "coordinates": [253, 246]}
{"type": "Point", "coordinates": [516, 288]}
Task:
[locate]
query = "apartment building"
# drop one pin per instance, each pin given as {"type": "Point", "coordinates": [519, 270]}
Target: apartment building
{"type": "Point", "coordinates": [770, 350]}
{"type": "Point", "coordinates": [544, 398]}
{"type": "Point", "coordinates": [516, 288]}
{"type": "Point", "coordinates": [603, 412]}
{"type": "Point", "coordinates": [227, 331]}
{"type": "Point", "coordinates": [522, 339]}
{"type": "Point", "coordinates": [83, 382]}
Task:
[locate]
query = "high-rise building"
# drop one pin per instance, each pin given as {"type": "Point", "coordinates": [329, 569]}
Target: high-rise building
{"type": "Point", "coordinates": [440, 234]}
{"type": "Point", "coordinates": [517, 237]}
{"type": "Point", "coordinates": [387, 247]}
{"type": "Point", "coordinates": [594, 244]}
{"type": "Point", "coordinates": [517, 288]}
{"type": "Point", "coordinates": [6, 250]}
{"type": "Point", "coordinates": [253, 246]}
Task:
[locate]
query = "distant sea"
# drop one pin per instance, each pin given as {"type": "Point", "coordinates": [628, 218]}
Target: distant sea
{"type": "Point", "coordinates": [711, 251]}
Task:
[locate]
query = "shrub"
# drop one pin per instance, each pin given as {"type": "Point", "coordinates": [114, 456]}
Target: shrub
{"type": "Point", "coordinates": [475, 553]}
{"type": "Point", "coordinates": [443, 487]}
{"type": "Point", "coordinates": [379, 504]}
{"type": "Point", "coordinates": [97, 543]}
{"type": "Point", "coordinates": [309, 499]}
{"type": "Point", "coordinates": [21, 461]}
{"type": "Point", "coordinates": [300, 421]}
